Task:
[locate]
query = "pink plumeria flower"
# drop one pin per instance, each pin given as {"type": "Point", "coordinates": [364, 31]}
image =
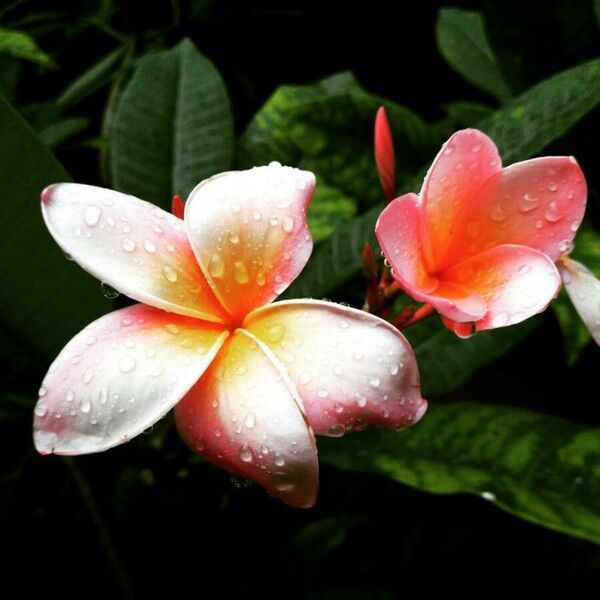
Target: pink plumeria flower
{"type": "Point", "coordinates": [251, 382]}
{"type": "Point", "coordinates": [479, 243]}
{"type": "Point", "coordinates": [584, 291]}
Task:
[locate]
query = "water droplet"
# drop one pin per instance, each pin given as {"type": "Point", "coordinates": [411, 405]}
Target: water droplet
{"type": "Point", "coordinates": [169, 273]}
{"type": "Point", "coordinates": [374, 381]}
{"type": "Point", "coordinates": [172, 328]}
{"type": "Point", "coordinates": [256, 215]}
{"type": "Point", "coordinates": [91, 215]}
{"type": "Point", "coordinates": [498, 214]}
{"type": "Point", "coordinates": [322, 393]}
{"type": "Point", "coordinates": [393, 369]}
{"type": "Point", "coordinates": [42, 392]}
{"type": "Point", "coordinates": [217, 432]}
{"type": "Point", "coordinates": [273, 221]}
{"type": "Point", "coordinates": [574, 226]}
{"type": "Point", "coordinates": [337, 430]}
{"type": "Point", "coordinates": [88, 376]}
{"type": "Point", "coordinates": [250, 420]}
{"type": "Point", "coordinates": [361, 400]}
{"type": "Point", "coordinates": [128, 244]}
{"type": "Point", "coordinates": [240, 273]}
{"type": "Point", "coordinates": [91, 340]}
{"type": "Point", "coordinates": [109, 292]}
{"type": "Point", "coordinates": [127, 364]}
{"type": "Point", "coordinates": [500, 319]}
{"type": "Point", "coordinates": [278, 460]}
{"type": "Point", "coordinates": [523, 269]}
{"type": "Point", "coordinates": [539, 224]}
{"type": "Point", "coordinates": [343, 324]}
{"type": "Point", "coordinates": [565, 246]}
{"type": "Point", "coordinates": [85, 405]}
{"type": "Point", "coordinates": [338, 407]}
{"type": "Point", "coordinates": [529, 203]}
{"type": "Point", "coordinates": [552, 187]}
{"type": "Point", "coordinates": [275, 333]}
{"type": "Point", "coordinates": [489, 496]}
{"type": "Point", "coordinates": [245, 453]}
{"type": "Point", "coordinates": [287, 223]}
{"type": "Point", "coordinates": [234, 237]}
{"type": "Point", "coordinates": [476, 148]}
{"type": "Point", "coordinates": [70, 396]}
{"type": "Point", "coordinates": [216, 266]}
{"type": "Point", "coordinates": [260, 279]}
{"type": "Point", "coordinates": [149, 246]}
{"type": "Point", "coordinates": [357, 355]}
{"type": "Point", "coordinates": [170, 247]}
{"type": "Point", "coordinates": [552, 214]}
{"type": "Point", "coordinates": [275, 163]}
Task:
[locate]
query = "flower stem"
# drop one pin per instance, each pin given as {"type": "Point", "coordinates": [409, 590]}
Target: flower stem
{"type": "Point", "coordinates": [419, 314]}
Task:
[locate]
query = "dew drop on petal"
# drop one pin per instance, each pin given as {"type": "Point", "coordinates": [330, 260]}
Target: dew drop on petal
{"type": "Point", "coordinates": [278, 460]}
{"type": "Point", "coordinates": [498, 214]}
{"type": "Point", "coordinates": [374, 381]}
{"type": "Point", "coordinates": [172, 328]}
{"type": "Point", "coordinates": [337, 430]}
{"type": "Point", "coordinates": [40, 409]}
{"type": "Point", "coordinates": [250, 420]}
{"type": "Point", "coordinates": [287, 223]}
{"type": "Point", "coordinates": [260, 279]}
{"type": "Point", "coordinates": [245, 453]}
{"type": "Point", "coordinates": [127, 364]}
{"type": "Point", "coordinates": [523, 269]}
{"type": "Point", "coordinates": [128, 244]}
{"type": "Point", "coordinates": [169, 273]}
{"type": "Point", "coordinates": [500, 319]}
{"type": "Point", "coordinates": [149, 246]}
{"type": "Point", "coordinates": [240, 272]}
{"type": "Point", "coordinates": [275, 333]}
{"type": "Point", "coordinates": [216, 266]}
{"type": "Point", "coordinates": [109, 292]}
{"type": "Point", "coordinates": [322, 393]}
{"type": "Point", "coordinates": [85, 405]}
{"type": "Point", "coordinates": [552, 214]}
{"type": "Point", "coordinates": [234, 237]}
{"type": "Point", "coordinates": [361, 399]}
{"type": "Point", "coordinates": [91, 215]}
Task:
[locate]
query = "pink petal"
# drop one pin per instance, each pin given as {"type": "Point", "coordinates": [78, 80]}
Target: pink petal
{"type": "Point", "coordinates": [132, 245]}
{"type": "Point", "coordinates": [351, 368]}
{"type": "Point", "coordinates": [249, 232]}
{"type": "Point", "coordinates": [384, 154]}
{"type": "Point", "coordinates": [537, 203]}
{"type": "Point", "coordinates": [584, 290]}
{"type": "Point", "coordinates": [463, 164]}
{"type": "Point", "coordinates": [120, 375]}
{"type": "Point", "coordinates": [243, 415]}
{"type": "Point", "coordinates": [516, 282]}
{"type": "Point", "coordinates": [398, 231]}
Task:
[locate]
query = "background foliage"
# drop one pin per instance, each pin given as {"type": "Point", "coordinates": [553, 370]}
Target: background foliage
{"type": "Point", "coordinates": [150, 98]}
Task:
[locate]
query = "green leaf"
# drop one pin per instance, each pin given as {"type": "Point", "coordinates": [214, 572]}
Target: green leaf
{"type": "Point", "coordinates": [576, 335]}
{"type": "Point", "coordinates": [20, 45]}
{"type": "Point", "coordinates": [467, 114]}
{"type": "Point", "coordinates": [173, 126]}
{"type": "Point", "coordinates": [447, 361]}
{"type": "Point", "coordinates": [521, 129]}
{"type": "Point", "coordinates": [545, 112]}
{"type": "Point", "coordinates": [540, 468]}
{"type": "Point", "coordinates": [58, 132]}
{"type": "Point", "coordinates": [328, 208]}
{"type": "Point", "coordinates": [90, 80]}
{"type": "Point", "coordinates": [597, 10]}
{"type": "Point", "coordinates": [327, 128]}
{"type": "Point", "coordinates": [463, 42]}
{"type": "Point", "coordinates": [45, 298]}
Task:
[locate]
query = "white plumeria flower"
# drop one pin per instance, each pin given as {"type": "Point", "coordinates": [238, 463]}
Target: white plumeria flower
{"type": "Point", "coordinates": [584, 291]}
{"type": "Point", "coordinates": [251, 382]}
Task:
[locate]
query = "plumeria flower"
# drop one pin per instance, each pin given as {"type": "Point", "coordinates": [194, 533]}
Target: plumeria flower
{"type": "Point", "coordinates": [479, 243]}
{"type": "Point", "coordinates": [251, 382]}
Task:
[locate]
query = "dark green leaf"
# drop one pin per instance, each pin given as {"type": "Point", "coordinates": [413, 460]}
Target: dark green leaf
{"type": "Point", "coordinates": [20, 45]}
{"type": "Point", "coordinates": [45, 298]}
{"type": "Point", "coordinates": [55, 134]}
{"type": "Point", "coordinates": [576, 335]}
{"type": "Point", "coordinates": [467, 114]}
{"type": "Point", "coordinates": [446, 361]}
{"type": "Point", "coordinates": [328, 209]}
{"type": "Point", "coordinates": [462, 41]}
{"type": "Point", "coordinates": [538, 467]}
{"type": "Point", "coordinates": [90, 80]}
{"type": "Point", "coordinates": [327, 128]}
{"type": "Point", "coordinates": [173, 126]}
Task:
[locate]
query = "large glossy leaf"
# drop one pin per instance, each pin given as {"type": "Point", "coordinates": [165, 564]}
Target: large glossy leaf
{"type": "Point", "coordinates": [327, 128]}
{"type": "Point", "coordinates": [521, 129]}
{"type": "Point", "coordinates": [173, 126]}
{"type": "Point", "coordinates": [538, 467]}
{"type": "Point", "coordinates": [44, 298]}
{"type": "Point", "coordinates": [463, 42]}
{"type": "Point", "coordinates": [21, 45]}
{"type": "Point", "coordinates": [447, 361]}
{"type": "Point", "coordinates": [576, 335]}
{"type": "Point", "coordinates": [328, 209]}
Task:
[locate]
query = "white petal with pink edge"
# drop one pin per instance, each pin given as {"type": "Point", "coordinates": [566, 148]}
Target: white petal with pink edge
{"type": "Point", "coordinates": [134, 246]}
{"type": "Point", "coordinates": [583, 288]}
{"type": "Point", "coordinates": [244, 415]}
{"type": "Point", "coordinates": [120, 375]}
{"type": "Point", "coordinates": [351, 369]}
{"type": "Point", "coordinates": [249, 232]}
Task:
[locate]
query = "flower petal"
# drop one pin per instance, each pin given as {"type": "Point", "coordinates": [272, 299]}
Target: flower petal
{"type": "Point", "coordinates": [249, 232]}
{"type": "Point", "coordinates": [132, 245]}
{"type": "Point", "coordinates": [350, 368]}
{"type": "Point", "coordinates": [244, 415]}
{"type": "Point", "coordinates": [584, 290]}
{"type": "Point", "coordinates": [120, 375]}
{"type": "Point", "coordinates": [463, 164]}
{"type": "Point", "coordinates": [537, 203]}
{"type": "Point", "coordinates": [516, 282]}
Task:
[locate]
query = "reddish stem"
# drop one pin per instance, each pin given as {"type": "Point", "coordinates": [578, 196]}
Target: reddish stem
{"type": "Point", "coordinates": [418, 315]}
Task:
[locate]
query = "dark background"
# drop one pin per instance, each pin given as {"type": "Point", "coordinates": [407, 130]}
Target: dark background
{"type": "Point", "coordinates": [141, 519]}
